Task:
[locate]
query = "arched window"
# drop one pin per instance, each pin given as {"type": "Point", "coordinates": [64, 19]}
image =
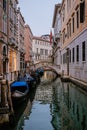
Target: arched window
{"type": "Point", "coordinates": [4, 51]}
{"type": "Point", "coordinates": [4, 5]}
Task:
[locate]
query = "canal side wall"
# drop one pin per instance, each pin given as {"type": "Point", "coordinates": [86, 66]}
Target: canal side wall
{"type": "Point", "coordinates": [65, 78]}
{"type": "Point", "coordinates": [77, 67]}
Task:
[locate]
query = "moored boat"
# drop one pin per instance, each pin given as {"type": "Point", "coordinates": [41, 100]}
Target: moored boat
{"type": "Point", "coordinates": [30, 80]}
{"type": "Point", "coordinates": [36, 76]}
{"type": "Point", "coordinates": [40, 71]}
{"type": "Point", "coordinates": [19, 91]}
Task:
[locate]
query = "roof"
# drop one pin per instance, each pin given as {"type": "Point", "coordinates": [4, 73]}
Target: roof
{"type": "Point", "coordinates": [40, 38]}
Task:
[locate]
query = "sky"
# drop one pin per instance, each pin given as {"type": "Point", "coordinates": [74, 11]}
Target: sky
{"type": "Point", "coordinates": [38, 14]}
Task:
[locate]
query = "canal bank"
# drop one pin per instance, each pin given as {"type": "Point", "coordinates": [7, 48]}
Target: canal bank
{"type": "Point", "coordinates": [67, 78]}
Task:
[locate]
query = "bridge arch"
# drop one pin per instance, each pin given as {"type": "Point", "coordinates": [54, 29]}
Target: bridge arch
{"type": "Point", "coordinates": [46, 65]}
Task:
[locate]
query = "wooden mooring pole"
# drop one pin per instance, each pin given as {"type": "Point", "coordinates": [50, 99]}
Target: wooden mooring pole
{"type": "Point", "coordinates": [4, 101]}
{"type": "Point", "coordinates": [6, 107]}
{"type": "Point", "coordinates": [11, 114]}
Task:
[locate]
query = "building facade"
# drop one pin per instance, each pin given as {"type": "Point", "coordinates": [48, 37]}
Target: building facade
{"type": "Point", "coordinates": [74, 38]}
{"type": "Point", "coordinates": [28, 35]}
{"type": "Point", "coordinates": [57, 36]}
{"type": "Point", "coordinates": [3, 36]}
{"type": "Point", "coordinates": [42, 49]}
{"type": "Point", "coordinates": [20, 38]}
{"type": "Point", "coordinates": [8, 37]}
{"type": "Point", "coordinates": [12, 37]}
{"type": "Point", "coordinates": [12, 49]}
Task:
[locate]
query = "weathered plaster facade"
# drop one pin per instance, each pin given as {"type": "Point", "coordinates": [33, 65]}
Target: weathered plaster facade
{"type": "Point", "coordinates": [20, 38]}
{"type": "Point", "coordinates": [57, 35]}
{"type": "Point", "coordinates": [74, 38]}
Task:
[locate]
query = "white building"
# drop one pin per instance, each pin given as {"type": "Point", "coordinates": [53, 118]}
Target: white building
{"type": "Point", "coordinates": [42, 49]}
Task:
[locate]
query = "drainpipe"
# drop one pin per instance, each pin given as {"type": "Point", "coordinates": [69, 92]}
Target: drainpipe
{"type": "Point", "coordinates": [67, 61]}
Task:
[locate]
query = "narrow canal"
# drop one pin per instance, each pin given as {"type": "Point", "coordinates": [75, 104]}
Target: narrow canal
{"type": "Point", "coordinates": [53, 105]}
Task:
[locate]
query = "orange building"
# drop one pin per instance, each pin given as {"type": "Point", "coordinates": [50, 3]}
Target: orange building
{"type": "Point", "coordinates": [28, 35]}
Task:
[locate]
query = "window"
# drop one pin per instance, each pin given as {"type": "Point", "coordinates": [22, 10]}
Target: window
{"type": "Point", "coordinates": [5, 24]}
{"type": "Point", "coordinates": [73, 24]}
{"type": "Point", "coordinates": [64, 58]}
{"type": "Point", "coordinates": [4, 51]}
{"type": "Point", "coordinates": [70, 56]}
{"type": "Point", "coordinates": [83, 51]}
{"type": "Point", "coordinates": [41, 51]}
{"type": "Point", "coordinates": [4, 5]}
{"type": "Point", "coordinates": [77, 18]}
{"type": "Point", "coordinates": [77, 50]}
{"type": "Point", "coordinates": [70, 28]}
{"type": "Point", "coordinates": [67, 30]}
{"type": "Point", "coordinates": [63, 12]}
{"type": "Point", "coordinates": [37, 50]}
{"type": "Point", "coordinates": [73, 58]}
{"type": "Point", "coordinates": [46, 52]}
{"type": "Point", "coordinates": [82, 12]}
{"type": "Point", "coordinates": [63, 36]}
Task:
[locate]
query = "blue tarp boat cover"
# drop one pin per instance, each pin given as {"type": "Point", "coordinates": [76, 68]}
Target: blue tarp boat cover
{"type": "Point", "coordinates": [19, 84]}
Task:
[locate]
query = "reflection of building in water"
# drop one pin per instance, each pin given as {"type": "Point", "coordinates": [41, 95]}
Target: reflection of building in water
{"type": "Point", "coordinates": [44, 94]}
{"type": "Point", "coordinates": [44, 91]}
{"type": "Point", "coordinates": [69, 107]}
{"type": "Point", "coordinates": [49, 76]}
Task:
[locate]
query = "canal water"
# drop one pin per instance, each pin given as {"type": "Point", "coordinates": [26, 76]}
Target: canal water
{"type": "Point", "coordinates": [52, 105]}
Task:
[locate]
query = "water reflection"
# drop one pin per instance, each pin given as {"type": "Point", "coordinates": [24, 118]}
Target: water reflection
{"type": "Point", "coordinates": [68, 107]}
{"type": "Point", "coordinates": [25, 112]}
{"type": "Point", "coordinates": [53, 105]}
{"type": "Point", "coordinates": [48, 77]}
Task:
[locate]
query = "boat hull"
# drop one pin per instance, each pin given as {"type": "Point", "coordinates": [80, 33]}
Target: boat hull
{"type": "Point", "coordinates": [19, 91]}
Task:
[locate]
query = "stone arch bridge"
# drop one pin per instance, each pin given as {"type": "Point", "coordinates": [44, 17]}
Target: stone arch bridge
{"type": "Point", "coordinates": [47, 65]}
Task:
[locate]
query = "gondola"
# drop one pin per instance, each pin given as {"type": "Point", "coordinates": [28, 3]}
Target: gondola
{"type": "Point", "coordinates": [30, 80]}
{"type": "Point", "coordinates": [19, 91]}
{"type": "Point", "coordinates": [40, 71]}
{"type": "Point", "coordinates": [36, 76]}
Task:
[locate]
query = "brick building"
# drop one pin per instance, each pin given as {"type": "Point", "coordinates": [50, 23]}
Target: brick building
{"type": "Point", "coordinates": [28, 45]}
